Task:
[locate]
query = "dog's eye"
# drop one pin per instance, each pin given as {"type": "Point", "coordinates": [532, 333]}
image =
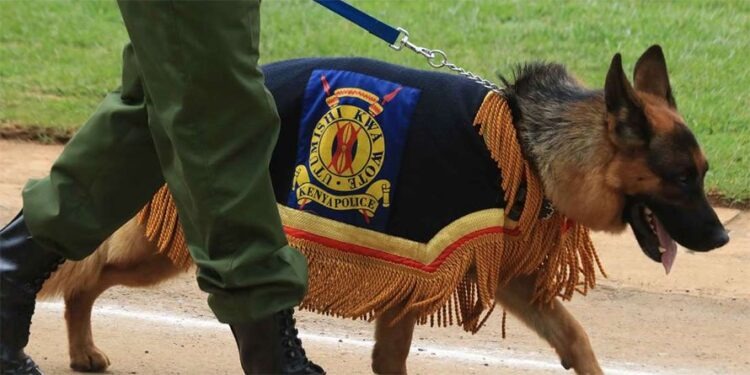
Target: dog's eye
{"type": "Point", "coordinates": [684, 179]}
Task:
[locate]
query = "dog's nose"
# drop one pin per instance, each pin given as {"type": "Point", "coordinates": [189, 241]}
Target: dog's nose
{"type": "Point", "coordinates": [720, 238]}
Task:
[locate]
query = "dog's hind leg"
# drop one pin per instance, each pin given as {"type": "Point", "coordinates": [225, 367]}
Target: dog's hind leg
{"type": "Point", "coordinates": [84, 355]}
{"type": "Point", "coordinates": [149, 270]}
{"type": "Point", "coordinates": [126, 258]}
{"type": "Point", "coordinates": [552, 322]}
{"type": "Point", "coordinates": [392, 342]}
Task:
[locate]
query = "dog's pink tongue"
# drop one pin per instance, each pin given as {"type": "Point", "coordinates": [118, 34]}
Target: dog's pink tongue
{"type": "Point", "coordinates": [666, 241]}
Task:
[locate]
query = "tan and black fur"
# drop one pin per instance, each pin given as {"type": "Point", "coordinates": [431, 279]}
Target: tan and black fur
{"type": "Point", "coordinates": [603, 156]}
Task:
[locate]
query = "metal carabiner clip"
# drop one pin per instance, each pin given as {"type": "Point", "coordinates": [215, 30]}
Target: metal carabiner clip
{"type": "Point", "coordinates": [401, 41]}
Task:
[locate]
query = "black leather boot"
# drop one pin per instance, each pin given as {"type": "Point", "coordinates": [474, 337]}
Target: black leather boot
{"type": "Point", "coordinates": [24, 265]}
{"type": "Point", "coordinates": [271, 346]}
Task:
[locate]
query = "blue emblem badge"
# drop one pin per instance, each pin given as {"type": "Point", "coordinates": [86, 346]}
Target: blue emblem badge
{"type": "Point", "coordinates": [352, 133]}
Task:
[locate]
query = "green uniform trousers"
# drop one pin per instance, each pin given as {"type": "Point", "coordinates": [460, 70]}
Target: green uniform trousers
{"type": "Point", "coordinates": [192, 111]}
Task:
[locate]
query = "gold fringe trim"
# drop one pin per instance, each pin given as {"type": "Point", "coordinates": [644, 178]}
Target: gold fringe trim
{"type": "Point", "coordinates": [558, 250]}
{"type": "Point", "coordinates": [463, 289]}
{"type": "Point", "coordinates": [163, 228]}
{"type": "Point", "coordinates": [356, 286]}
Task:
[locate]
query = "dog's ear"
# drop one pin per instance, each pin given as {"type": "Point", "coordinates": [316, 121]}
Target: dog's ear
{"type": "Point", "coordinates": [650, 74]}
{"type": "Point", "coordinates": [618, 92]}
{"type": "Point", "coordinates": [628, 125]}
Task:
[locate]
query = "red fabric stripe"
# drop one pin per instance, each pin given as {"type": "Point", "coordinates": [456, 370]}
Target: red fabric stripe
{"type": "Point", "coordinates": [378, 254]}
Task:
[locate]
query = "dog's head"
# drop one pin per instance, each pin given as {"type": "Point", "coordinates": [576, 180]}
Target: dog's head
{"type": "Point", "coordinates": [659, 165]}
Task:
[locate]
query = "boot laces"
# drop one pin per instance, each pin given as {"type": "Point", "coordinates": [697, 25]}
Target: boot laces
{"type": "Point", "coordinates": [293, 345]}
{"type": "Point", "coordinates": [33, 289]}
{"type": "Point", "coordinates": [289, 333]}
{"type": "Point", "coordinates": [24, 366]}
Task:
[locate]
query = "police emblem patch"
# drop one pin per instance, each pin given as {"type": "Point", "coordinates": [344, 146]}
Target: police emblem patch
{"type": "Point", "coordinates": [352, 133]}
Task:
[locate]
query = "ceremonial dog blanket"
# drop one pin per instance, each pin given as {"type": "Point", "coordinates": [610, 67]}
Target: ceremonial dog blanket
{"type": "Point", "coordinates": [395, 183]}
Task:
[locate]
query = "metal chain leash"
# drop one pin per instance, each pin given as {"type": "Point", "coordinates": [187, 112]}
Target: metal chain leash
{"type": "Point", "coordinates": [438, 59]}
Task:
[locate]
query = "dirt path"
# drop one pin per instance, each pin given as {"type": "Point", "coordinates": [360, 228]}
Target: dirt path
{"type": "Point", "coordinates": [694, 321]}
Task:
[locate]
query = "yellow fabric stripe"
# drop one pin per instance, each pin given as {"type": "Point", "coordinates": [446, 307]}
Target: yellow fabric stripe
{"type": "Point", "coordinates": [421, 252]}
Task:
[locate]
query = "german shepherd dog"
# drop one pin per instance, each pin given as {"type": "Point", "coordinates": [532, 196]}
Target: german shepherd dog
{"type": "Point", "coordinates": [606, 158]}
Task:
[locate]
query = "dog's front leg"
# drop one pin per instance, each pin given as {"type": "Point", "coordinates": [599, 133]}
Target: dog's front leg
{"type": "Point", "coordinates": [392, 342]}
{"type": "Point", "coordinates": [552, 322]}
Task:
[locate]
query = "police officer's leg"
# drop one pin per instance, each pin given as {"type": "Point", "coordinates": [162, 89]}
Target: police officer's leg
{"type": "Point", "coordinates": [105, 174]}
{"type": "Point", "coordinates": [215, 127]}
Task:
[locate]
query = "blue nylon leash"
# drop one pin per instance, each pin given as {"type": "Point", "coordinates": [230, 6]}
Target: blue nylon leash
{"type": "Point", "coordinates": [397, 38]}
{"type": "Point", "coordinates": [371, 24]}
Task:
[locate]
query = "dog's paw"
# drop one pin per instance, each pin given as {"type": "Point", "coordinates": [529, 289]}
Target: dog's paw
{"type": "Point", "coordinates": [581, 366]}
{"type": "Point", "coordinates": [90, 359]}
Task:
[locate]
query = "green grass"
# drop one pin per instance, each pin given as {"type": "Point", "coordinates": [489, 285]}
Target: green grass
{"type": "Point", "coordinates": [57, 59]}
